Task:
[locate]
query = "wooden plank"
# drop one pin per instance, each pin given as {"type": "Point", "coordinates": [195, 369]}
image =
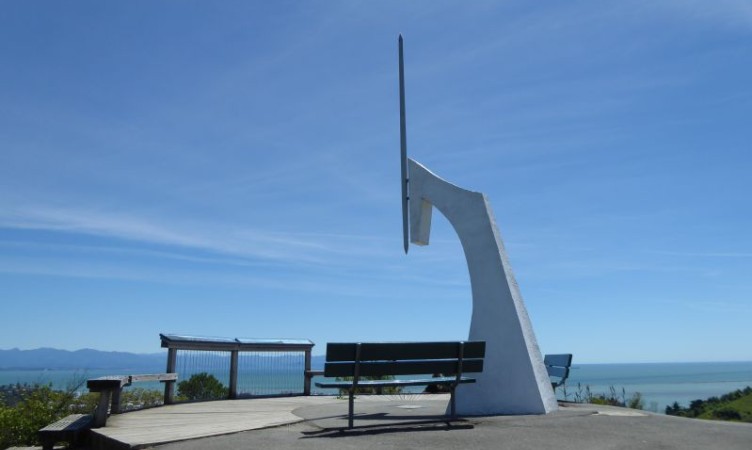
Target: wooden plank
{"type": "Point", "coordinates": [71, 422]}
{"type": "Point", "coordinates": [403, 350]}
{"type": "Point", "coordinates": [230, 344]}
{"type": "Point", "coordinates": [393, 383]}
{"type": "Point", "coordinates": [152, 427]}
{"type": "Point", "coordinates": [154, 377]}
{"type": "Point", "coordinates": [69, 429]}
{"type": "Point", "coordinates": [371, 368]}
{"type": "Point", "coordinates": [107, 383]}
{"type": "Point", "coordinates": [562, 360]}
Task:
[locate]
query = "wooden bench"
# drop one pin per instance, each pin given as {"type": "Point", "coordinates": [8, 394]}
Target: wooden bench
{"type": "Point", "coordinates": [110, 388]}
{"type": "Point", "coordinates": [362, 360]}
{"type": "Point", "coordinates": [71, 429]}
{"type": "Point", "coordinates": [558, 368]}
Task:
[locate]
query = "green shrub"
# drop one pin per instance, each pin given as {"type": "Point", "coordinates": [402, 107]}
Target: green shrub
{"type": "Point", "coordinates": [612, 398]}
{"type": "Point", "coordinates": [726, 414]}
{"type": "Point", "coordinates": [736, 405]}
{"type": "Point", "coordinates": [25, 409]}
{"type": "Point", "coordinates": [635, 402]}
{"type": "Point", "coordinates": [202, 386]}
{"type": "Point", "coordinates": [35, 407]}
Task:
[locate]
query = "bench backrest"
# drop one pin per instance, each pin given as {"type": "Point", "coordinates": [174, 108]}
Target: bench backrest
{"type": "Point", "coordinates": [403, 358]}
{"type": "Point", "coordinates": [558, 367]}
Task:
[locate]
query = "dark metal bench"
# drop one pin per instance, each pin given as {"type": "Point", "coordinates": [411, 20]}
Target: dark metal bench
{"type": "Point", "coordinates": [71, 429]}
{"type": "Point", "coordinates": [558, 368]}
{"type": "Point", "coordinates": [110, 388]}
{"type": "Point", "coordinates": [357, 360]}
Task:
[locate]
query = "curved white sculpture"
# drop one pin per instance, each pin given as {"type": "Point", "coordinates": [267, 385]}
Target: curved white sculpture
{"type": "Point", "coordinates": [514, 379]}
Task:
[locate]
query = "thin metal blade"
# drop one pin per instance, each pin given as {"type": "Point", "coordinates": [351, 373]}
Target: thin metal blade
{"type": "Point", "coordinates": [403, 149]}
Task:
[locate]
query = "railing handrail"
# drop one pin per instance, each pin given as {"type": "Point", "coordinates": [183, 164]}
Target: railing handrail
{"type": "Point", "coordinates": [229, 344]}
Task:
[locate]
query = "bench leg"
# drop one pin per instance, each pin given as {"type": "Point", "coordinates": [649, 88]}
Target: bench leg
{"type": "Point", "coordinates": [100, 414]}
{"type": "Point", "coordinates": [115, 404]}
{"type": "Point", "coordinates": [451, 402]}
{"type": "Point", "coordinates": [351, 404]}
{"type": "Point", "coordinates": [48, 443]}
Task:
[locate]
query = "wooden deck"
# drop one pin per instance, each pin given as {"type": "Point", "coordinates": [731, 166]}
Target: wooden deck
{"type": "Point", "coordinates": [149, 427]}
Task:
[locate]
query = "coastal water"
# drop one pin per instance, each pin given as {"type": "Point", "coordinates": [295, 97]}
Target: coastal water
{"type": "Point", "coordinates": [660, 384]}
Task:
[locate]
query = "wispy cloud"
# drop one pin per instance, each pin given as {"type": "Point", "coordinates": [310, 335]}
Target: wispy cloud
{"type": "Point", "coordinates": [79, 249]}
{"type": "Point", "coordinates": [207, 236]}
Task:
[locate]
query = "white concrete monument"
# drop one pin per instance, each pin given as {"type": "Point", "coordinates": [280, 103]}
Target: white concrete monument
{"type": "Point", "coordinates": [514, 379]}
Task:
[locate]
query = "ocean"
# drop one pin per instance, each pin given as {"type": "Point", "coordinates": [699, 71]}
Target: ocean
{"type": "Point", "coordinates": [660, 384]}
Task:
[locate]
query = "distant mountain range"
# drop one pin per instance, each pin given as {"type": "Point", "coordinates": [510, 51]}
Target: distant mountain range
{"type": "Point", "coordinates": [50, 358]}
{"type": "Point", "coordinates": [54, 359]}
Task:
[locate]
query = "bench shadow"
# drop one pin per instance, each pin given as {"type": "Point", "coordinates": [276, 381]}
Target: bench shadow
{"type": "Point", "coordinates": [395, 424]}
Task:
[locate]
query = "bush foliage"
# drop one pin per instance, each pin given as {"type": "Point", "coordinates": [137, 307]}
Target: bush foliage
{"type": "Point", "coordinates": [585, 395]}
{"type": "Point", "coordinates": [734, 406]}
{"type": "Point", "coordinates": [202, 386]}
{"type": "Point", "coordinates": [26, 408]}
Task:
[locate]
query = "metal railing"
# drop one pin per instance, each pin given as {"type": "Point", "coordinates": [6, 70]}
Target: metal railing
{"type": "Point", "coordinates": [249, 367]}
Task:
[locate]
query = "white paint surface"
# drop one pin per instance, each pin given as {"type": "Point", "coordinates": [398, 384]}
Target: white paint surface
{"type": "Point", "coordinates": [514, 379]}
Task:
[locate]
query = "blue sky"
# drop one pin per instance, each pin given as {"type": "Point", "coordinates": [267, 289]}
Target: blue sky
{"type": "Point", "coordinates": [231, 169]}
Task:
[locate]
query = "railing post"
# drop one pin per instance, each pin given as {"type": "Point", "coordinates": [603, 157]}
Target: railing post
{"type": "Point", "coordinates": [307, 373]}
{"type": "Point", "coordinates": [234, 374]}
{"type": "Point", "coordinates": [169, 389]}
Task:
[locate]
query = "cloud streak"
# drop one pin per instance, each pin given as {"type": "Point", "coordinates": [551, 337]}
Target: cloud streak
{"type": "Point", "coordinates": [207, 236]}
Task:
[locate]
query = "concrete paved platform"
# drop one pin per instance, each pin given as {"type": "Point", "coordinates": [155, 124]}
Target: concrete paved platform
{"type": "Point", "coordinates": [410, 421]}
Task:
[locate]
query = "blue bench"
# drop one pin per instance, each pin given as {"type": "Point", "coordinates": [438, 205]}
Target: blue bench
{"type": "Point", "coordinates": [362, 360]}
{"type": "Point", "coordinates": [558, 368]}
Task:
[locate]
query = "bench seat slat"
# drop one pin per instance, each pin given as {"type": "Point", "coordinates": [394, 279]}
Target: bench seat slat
{"type": "Point", "coordinates": [422, 367]}
{"type": "Point", "coordinates": [558, 366]}
{"type": "Point", "coordinates": [561, 372]}
{"type": "Point", "coordinates": [70, 429]}
{"type": "Point", "coordinates": [107, 383]}
{"type": "Point", "coordinates": [393, 383]}
{"type": "Point", "coordinates": [154, 377]}
{"type": "Point", "coordinates": [562, 360]}
{"type": "Point", "coordinates": [375, 351]}
{"type": "Point", "coordinates": [69, 423]}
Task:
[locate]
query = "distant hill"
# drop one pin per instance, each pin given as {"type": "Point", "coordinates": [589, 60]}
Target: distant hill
{"type": "Point", "coordinates": [50, 358]}
{"type": "Point", "coordinates": [54, 359]}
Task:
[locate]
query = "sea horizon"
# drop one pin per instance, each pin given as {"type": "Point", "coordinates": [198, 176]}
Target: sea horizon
{"type": "Point", "coordinates": [659, 384]}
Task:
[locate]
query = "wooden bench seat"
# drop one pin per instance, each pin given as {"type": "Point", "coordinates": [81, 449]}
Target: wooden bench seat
{"type": "Point", "coordinates": [362, 360]}
{"type": "Point", "coordinates": [71, 429]}
{"type": "Point", "coordinates": [111, 387]}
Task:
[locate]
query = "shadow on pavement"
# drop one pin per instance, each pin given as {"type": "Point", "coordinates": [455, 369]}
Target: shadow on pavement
{"type": "Point", "coordinates": [406, 424]}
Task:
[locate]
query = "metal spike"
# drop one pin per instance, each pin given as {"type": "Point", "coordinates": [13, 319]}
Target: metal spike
{"type": "Point", "coordinates": [403, 149]}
